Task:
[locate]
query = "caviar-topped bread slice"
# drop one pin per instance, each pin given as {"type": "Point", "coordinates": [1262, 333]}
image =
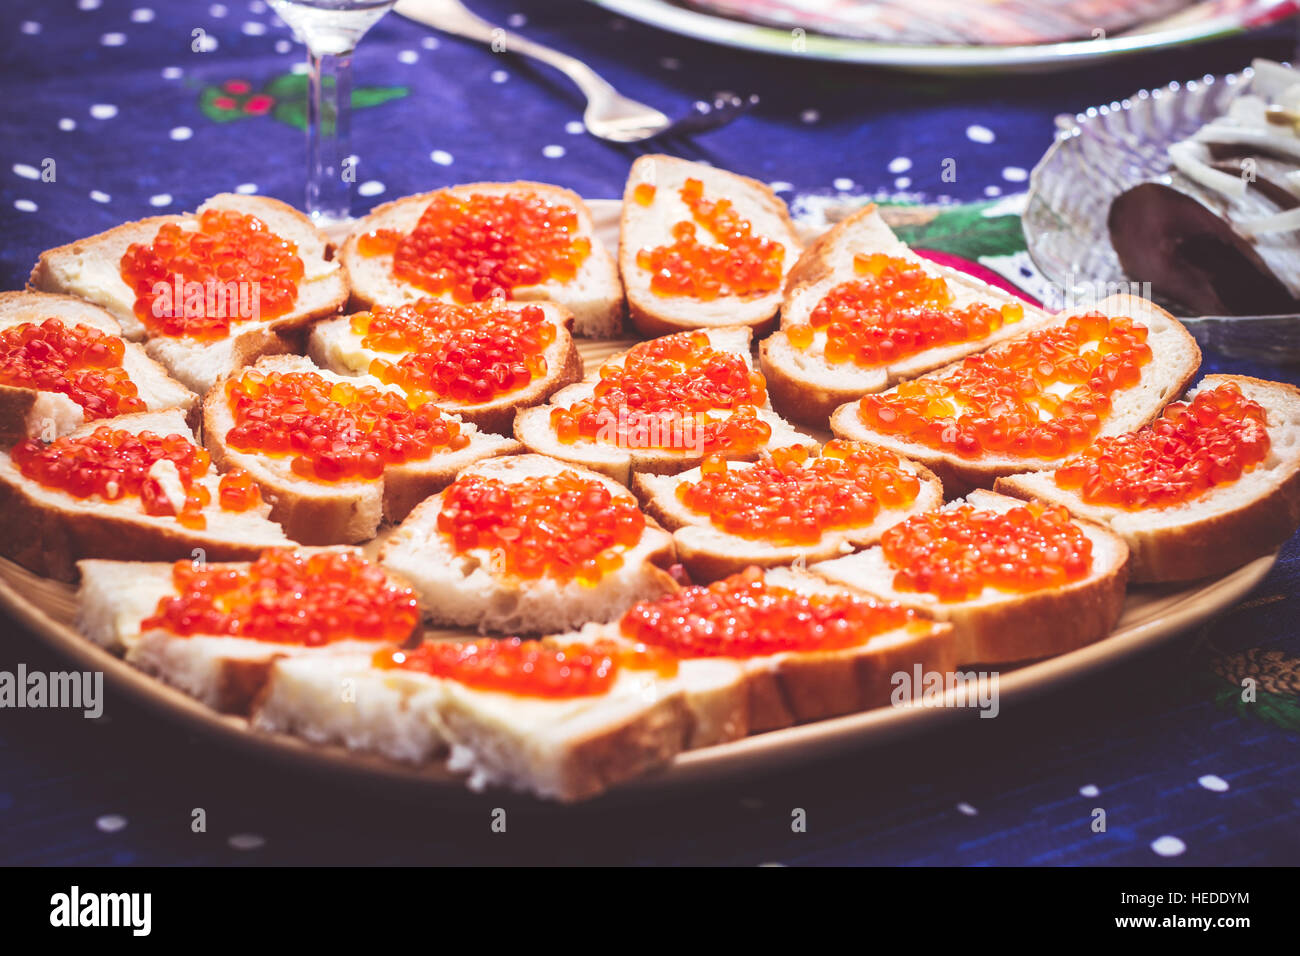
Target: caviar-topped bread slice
{"type": "Point", "coordinates": [135, 486]}
{"type": "Point", "coordinates": [214, 629]}
{"type": "Point", "coordinates": [561, 723]}
{"type": "Point", "coordinates": [1209, 485]}
{"type": "Point", "coordinates": [209, 291]}
{"type": "Point", "coordinates": [700, 247]}
{"type": "Point", "coordinates": [64, 363]}
{"type": "Point", "coordinates": [808, 649]}
{"type": "Point", "coordinates": [1030, 402]}
{"type": "Point", "coordinates": [337, 454]}
{"type": "Point", "coordinates": [662, 406]}
{"type": "Point", "coordinates": [1017, 581]}
{"type": "Point", "coordinates": [481, 360]}
{"type": "Point", "coordinates": [789, 505]}
{"type": "Point", "coordinates": [862, 311]}
{"type": "Point", "coordinates": [521, 240]}
{"type": "Point", "coordinates": [528, 544]}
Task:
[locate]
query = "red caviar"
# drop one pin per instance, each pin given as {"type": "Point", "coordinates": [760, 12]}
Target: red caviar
{"type": "Point", "coordinates": [529, 668]}
{"type": "Point", "coordinates": [787, 499]}
{"type": "Point", "coordinates": [231, 256]}
{"type": "Point", "coordinates": [288, 597]}
{"type": "Point", "coordinates": [644, 193]}
{"type": "Point", "coordinates": [1191, 448]}
{"type": "Point", "coordinates": [484, 245]}
{"type": "Point", "coordinates": [668, 393]}
{"type": "Point", "coordinates": [334, 431]}
{"type": "Point", "coordinates": [956, 554]}
{"type": "Point", "coordinates": [744, 616]}
{"type": "Point", "coordinates": [466, 353]}
{"type": "Point", "coordinates": [113, 463]}
{"type": "Point", "coordinates": [561, 526]}
{"type": "Point", "coordinates": [78, 361]}
{"type": "Point", "coordinates": [238, 492]}
{"type": "Point", "coordinates": [1042, 395]}
{"type": "Point", "coordinates": [736, 263]}
{"type": "Point", "coordinates": [894, 311]}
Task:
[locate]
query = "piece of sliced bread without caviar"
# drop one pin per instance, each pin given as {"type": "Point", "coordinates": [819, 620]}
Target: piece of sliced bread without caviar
{"type": "Point", "coordinates": [1028, 402]}
{"type": "Point", "coordinates": [1210, 485]}
{"type": "Point", "coordinates": [63, 363]}
{"type": "Point", "coordinates": [662, 407]}
{"type": "Point", "coordinates": [787, 506]}
{"type": "Point", "coordinates": [521, 240]}
{"type": "Point", "coordinates": [483, 361]}
{"type": "Point", "coordinates": [527, 544]}
{"type": "Point", "coordinates": [809, 649]}
{"type": "Point", "coordinates": [700, 247]}
{"type": "Point", "coordinates": [137, 486]}
{"type": "Point", "coordinates": [344, 700]}
{"type": "Point", "coordinates": [1052, 585]}
{"type": "Point", "coordinates": [215, 630]}
{"type": "Point", "coordinates": [335, 454]}
{"type": "Point", "coordinates": [862, 311]}
{"type": "Point", "coordinates": [214, 324]}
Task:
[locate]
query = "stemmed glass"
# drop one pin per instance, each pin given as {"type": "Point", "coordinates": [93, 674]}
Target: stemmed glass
{"type": "Point", "coordinates": [331, 30]}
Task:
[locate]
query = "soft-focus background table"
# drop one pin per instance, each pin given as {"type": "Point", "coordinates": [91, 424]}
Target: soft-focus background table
{"type": "Point", "coordinates": [138, 123]}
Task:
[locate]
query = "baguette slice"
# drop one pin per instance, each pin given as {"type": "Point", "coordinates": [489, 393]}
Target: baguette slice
{"type": "Point", "coordinates": [333, 344]}
{"type": "Point", "coordinates": [463, 589]}
{"type": "Point", "coordinates": [709, 552]}
{"type": "Point", "coordinates": [1222, 529]}
{"type": "Point", "coordinates": [805, 386]}
{"type": "Point", "coordinates": [1175, 359]}
{"type": "Point", "coordinates": [47, 530]}
{"type": "Point", "coordinates": [648, 226]}
{"type": "Point", "coordinates": [91, 269]}
{"type": "Point", "coordinates": [594, 295]}
{"type": "Point", "coordinates": [794, 687]}
{"type": "Point", "coordinates": [566, 749]}
{"type": "Point", "coordinates": [224, 672]}
{"type": "Point", "coordinates": [339, 512]}
{"type": "Point", "coordinates": [998, 627]}
{"type": "Point", "coordinates": [533, 425]}
{"type": "Point", "coordinates": [31, 413]}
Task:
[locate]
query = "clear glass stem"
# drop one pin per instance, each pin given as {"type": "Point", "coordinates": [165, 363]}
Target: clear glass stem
{"type": "Point", "coordinates": [329, 107]}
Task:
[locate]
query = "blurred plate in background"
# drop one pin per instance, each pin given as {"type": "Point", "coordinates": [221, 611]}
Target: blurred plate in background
{"type": "Point", "coordinates": [902, 37]}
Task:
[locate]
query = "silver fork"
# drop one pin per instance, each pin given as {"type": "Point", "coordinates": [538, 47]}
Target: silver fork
{"type": "Point", "coordinates": [609, 114]}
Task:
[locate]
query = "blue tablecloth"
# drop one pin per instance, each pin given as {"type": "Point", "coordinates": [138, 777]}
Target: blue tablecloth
{"type": "Point", "coordinates": [112, 99]}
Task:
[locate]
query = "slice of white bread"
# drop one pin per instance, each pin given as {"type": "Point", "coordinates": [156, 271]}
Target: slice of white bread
{"type": "Point", "coordinates": [594, 295]}
{"type": "Point", "coordinates": [339, 512]}
{"type": "Point", "coordinates": [466, 590]}
{"type": "Point", "coordinates": [1222, 529]}
{"type": "Point", "coordinates": [91, 269]}
{"type": "Point", "coordinates": [226, 673]}
{"type": "Point", "coordinates": [333, 344]}
{"type": "Point", "coordinates": [533, 425]}
{"type": "Point", "coordinates": [1175, 360]}
{"type": "Point", "coordinates": [999, 627]}
{"type": "Point", "coordinates": [343, 699]}
{"type": "Point", "coordinates": [47, 530]}
{"type": "Point", "coordinates": [804, 685]}
{"type": "Point", "coordinates": [565, 749]}
{"type": "Point", "coordinates": [649, 226]}
{"type": "Point", "coordinates": [807, 388]}
{"type": "Point", "coordinates": [716, 689]}
{"type": "Point", "coordinates": [709, 552]}
{"type": "Point", "coordinates": [29, 413]}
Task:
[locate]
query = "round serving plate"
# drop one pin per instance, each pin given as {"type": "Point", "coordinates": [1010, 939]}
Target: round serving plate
{"type": "Point", "coordinates": [1110, 148]}
{"type": "Point", "coordinates": [1208, 20]}
{"type": "Point", "coordinates": [47, 609]}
